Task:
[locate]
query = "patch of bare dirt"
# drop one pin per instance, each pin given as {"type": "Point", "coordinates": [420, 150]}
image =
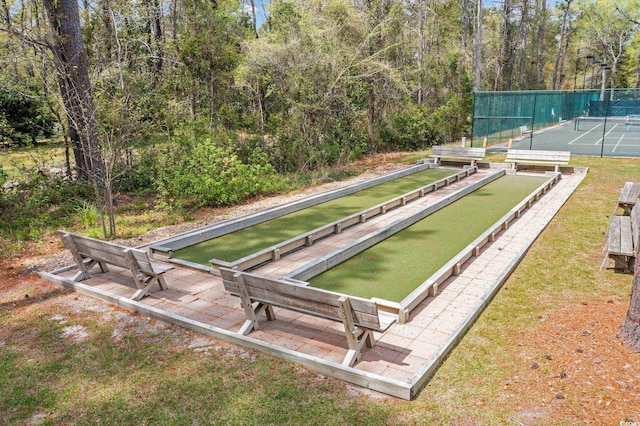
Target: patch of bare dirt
{"type": "Point", "coordinates": [575, 369]}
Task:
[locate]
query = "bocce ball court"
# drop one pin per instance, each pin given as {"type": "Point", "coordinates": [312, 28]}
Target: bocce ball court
{"type": "Point", "coordinates": [407, 260]}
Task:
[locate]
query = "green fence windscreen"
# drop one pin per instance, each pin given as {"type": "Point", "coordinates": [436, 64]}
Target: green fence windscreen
{"type": "Point", "coordinates": [499, 116]}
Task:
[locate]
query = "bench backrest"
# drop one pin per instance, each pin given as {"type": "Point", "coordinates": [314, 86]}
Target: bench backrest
{"type": "Point", "coordinates": [457, 151]}
{"type": "Point", "coordinates": [308, 300]}
{"type": "Point", "coordinates": [536, 155]}
{"type": "Point", "coordinates": [104, 251]}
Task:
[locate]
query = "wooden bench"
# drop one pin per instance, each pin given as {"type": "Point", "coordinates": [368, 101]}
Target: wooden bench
{"type": "Point", "coordinates": [622, 239]}
{"type": "Point", "coordinates": [87, 252]}
{"type": "Point", "coordinates": [359, 316]}
{"type": "Point", "coordinates": [533, 157]}
{"type": "Point", "coordinates": [456, 153]}
{"type": "Point", "coordinates": [524, 131]}
{"type": "Point", "coordinates": [629, 196]}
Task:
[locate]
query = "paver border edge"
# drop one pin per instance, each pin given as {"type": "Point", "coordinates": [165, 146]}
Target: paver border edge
{"type": "Point", "coordinates": [361, 378]}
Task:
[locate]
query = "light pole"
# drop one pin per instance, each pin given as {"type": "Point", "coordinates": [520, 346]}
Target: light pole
{"type": "Point", "coordinates": [575, 74]}
{"type": "Point", "coordinates": [590, 59]}
{"type": "Point", "coordinates": [605, 67]}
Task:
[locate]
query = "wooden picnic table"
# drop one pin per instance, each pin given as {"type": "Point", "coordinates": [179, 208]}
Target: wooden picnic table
{"type": "Point", "coordinates": [629, 196]}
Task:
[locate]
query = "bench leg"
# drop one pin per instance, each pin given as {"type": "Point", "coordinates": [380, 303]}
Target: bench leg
{"type": "Point", "coordinates": [250, 324]}
{"type": "Point", "coordinates": [622, 263]}
{"type": "Point", "coordinates": [356, 336]}
{"type": "Point", "coordinates": [162, 283]}
{"type": "Point", "coordinates": [353, 354]}
{"type": "Point", "coordinates": [83, 273]}
{"type": "Point", "coordinates": [144, 283]}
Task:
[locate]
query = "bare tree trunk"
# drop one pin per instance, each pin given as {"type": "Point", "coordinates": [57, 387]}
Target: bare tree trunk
{"type": "Point", "coordinates": [477, 48]}
{"type": "Point", "coordinates": [557, 69]}
{"type": "Point", "coordinates": [254, 17]}
{"type": "Point", "coordinates": [505, 75]}
{"type": "Point", "coordinates": [465, 24]}
{"type": "Point", "coordinates": [154, 11]}
{"type": "Point", "coordinates": [108, 26]}
{"type": "Point", "coordinates": [542, 16]}
{"type": "Point", "coordinates": [73, 77]}
{"type": "Point", "coordinates": [524, 32]}
{"type": "Point", "coordinates": [630, 331]}
{"type": "Point", "coordinates": [421, 57]}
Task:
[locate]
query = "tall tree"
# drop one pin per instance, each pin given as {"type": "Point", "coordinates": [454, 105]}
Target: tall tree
{"type": "Point", "coordinates": [540, 45]}
{"type": "Point", "coordinates": [561, 51]}
{"type": "Point", "coordinates": [75, 87]}
{"type": "Point", "coordinates": [477, 47]}
{"type": "Point", "coordinates": [602, 29]}
{"type": "Point", "coordinates": [630, 331]}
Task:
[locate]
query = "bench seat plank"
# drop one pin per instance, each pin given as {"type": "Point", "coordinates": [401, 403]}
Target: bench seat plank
{"type": "Point", "coordinates": [623, 239]}
{"type": "Point", "coordinates": [629, 195]}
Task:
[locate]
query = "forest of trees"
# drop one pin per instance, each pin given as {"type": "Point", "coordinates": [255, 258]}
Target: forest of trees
{"type": "Point", "coordinates": [210, 101]}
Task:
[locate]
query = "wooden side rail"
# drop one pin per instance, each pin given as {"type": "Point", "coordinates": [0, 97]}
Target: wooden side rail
{"type": "Point", "coordinates": [622, 239]}
{"type": "Point", "coordinates": [360, 317]}
{"type": "Point", "coordinates": [471, 155]}
{"type": "Point", "coordinates": [545, 158]}
{"type": "Point", "coordinates": [87, 252]}
{"type": "Point", "coordinates": [277, 251]}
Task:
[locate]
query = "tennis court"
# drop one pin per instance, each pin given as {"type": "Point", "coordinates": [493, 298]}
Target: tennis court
{"type": "Point", "coordinates": [584, 122]}
{"type": "Point", "coordinates": [590, 136]}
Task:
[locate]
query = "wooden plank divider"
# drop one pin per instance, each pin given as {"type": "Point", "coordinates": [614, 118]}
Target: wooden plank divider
{"type": "Point", "coordinates": [307, 239]}
{"type": "Point", "coordinates": [166, 247]}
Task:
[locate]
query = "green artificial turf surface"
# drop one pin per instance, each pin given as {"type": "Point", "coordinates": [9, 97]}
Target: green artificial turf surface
{"type": "Point", "coordinates": [393, 268]}
{"type": "Point", "coordinates": [249, 240]}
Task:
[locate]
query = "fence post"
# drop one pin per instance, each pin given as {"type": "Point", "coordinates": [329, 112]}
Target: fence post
{"type": "Point", "coordinates": [533, 120]}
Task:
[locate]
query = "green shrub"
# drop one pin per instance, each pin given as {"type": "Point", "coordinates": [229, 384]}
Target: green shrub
{"type": "Point", "coordinates": [88, 214]}
{"type": "Point", "coordinates": [23, 118]}
{"type": "Point", "coordinates": [195, 175]}
{"type": "Point", "coordinates": [408, 129]}
{"type": "Point", "coordinates": [451, 120]}
{"type": "Point", "coordinates": [40, 203]}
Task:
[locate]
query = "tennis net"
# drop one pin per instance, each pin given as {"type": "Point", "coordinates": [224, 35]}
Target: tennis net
{"type": "Point", "coordinates": [629, 123]}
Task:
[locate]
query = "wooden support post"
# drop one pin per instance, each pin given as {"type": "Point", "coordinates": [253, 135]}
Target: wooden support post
{"type": "Point", "coordinates": [83, 273]}
{"type": "Point", "coordinates": [433, 290]}
{"type": "Point", "coordinates": [245, 301]}
{"type": "Point", "coordinates": [275, 255]}
{"type": "Point", "coordinates": [308, 241]}
{"type": "Point", "coordinates": [352, 333]}
{"type": "Point", "coordinates": [337, 228]}
{"type": "Point", "coordinates": [484, 142]}
{"type": "Point", "coordinates": [456, 269]}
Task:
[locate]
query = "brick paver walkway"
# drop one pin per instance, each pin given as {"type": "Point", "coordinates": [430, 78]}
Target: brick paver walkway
{"type": "Point", "coordinates": [406, 352]}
